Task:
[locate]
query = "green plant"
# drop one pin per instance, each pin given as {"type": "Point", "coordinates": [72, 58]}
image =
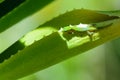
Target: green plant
{"type": "Point", "coordinates": [48, 46]}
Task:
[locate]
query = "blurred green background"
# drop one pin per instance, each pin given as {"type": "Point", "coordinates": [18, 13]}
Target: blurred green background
{"type": "Point", "coordinates": [100, 63]}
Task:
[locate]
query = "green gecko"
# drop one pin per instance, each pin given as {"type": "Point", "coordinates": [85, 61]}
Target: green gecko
{"type": "Point", "coordinates": [88, 28]}
{"type": "Point", "coordinates": [80, 28]}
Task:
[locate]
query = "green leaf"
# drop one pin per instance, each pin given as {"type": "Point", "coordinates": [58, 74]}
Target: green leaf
{"type": "Point", "coordinates": [79, 16]}
{"type": "Point", "coordinates": [21, 20]}
{"type": "Point", "coordinates": [27, 8]}
{"type": "Point", "coordinates": [111, 13]}
{"type": "Point", "coordinates": [53, 46]}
